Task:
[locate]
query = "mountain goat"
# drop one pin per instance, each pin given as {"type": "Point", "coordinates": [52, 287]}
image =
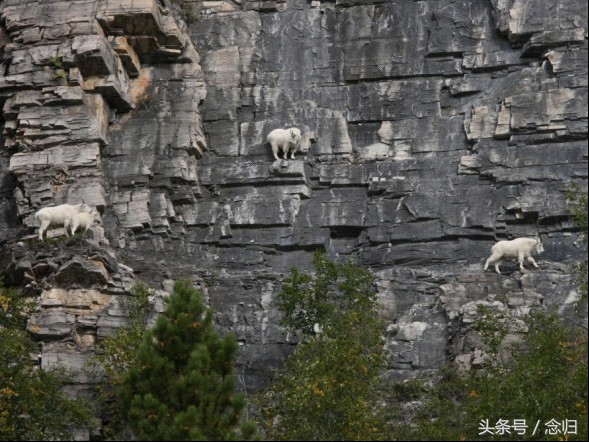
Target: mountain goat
{"type": "Point", "coordinates": [83, 220]}
{"type": "Point", "coordinates": [519, 248]}
{"type": "Point", "coordinates": [58, 215]}
{"type": "Point", "coordinates": [287, 140]}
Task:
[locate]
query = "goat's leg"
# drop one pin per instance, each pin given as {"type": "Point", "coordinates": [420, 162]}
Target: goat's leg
{"type": "Point", "coordinates": [275, 151]}
{"type": "Point", "coordinates": [43, 228]}
{"type": "Point", "coordinates": [532, 261]}
{"type": "Point", "coordinates": [489, 260]}
{"type": "Point", "coordinates": [520, 259]}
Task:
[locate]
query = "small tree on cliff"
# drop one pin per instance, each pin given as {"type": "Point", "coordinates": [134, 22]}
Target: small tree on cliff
{"type": "Point", "coordinates": [181, 386]}
{"type": "Point", "coordinates": [113, 357]}
{"type": "Point", "coordinates": [577, 200]}
{"type": "Point", "coordinates": [329, 388]}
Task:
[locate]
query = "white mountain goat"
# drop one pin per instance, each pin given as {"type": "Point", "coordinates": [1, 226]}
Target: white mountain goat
{"type": "Point", "coordinates": [519, 248]}
{"type": "Point", "coordinates": [58, 216]}
{"type": "Point", "coordinates": [83, 220]}
{"type": "Point", "coordinates": [287, 140]}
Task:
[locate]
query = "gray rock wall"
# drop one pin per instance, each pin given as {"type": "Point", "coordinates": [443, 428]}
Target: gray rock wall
{"type": "Point", "coordinates": [435, 128]}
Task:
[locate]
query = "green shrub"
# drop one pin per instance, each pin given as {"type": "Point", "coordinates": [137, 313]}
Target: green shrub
{"type": "Point", "coordinates": [547, 381]}
{"type": "Point", "coordinates": [113, 357]}
{"type": "Point", "coordinates": [578, 203]}
{"type": "Point", "coordinates": [330, 387]}
{"type": "Point", "coordinates": [33, 405]}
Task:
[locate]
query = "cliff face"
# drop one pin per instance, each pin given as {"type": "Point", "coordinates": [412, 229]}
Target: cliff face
{"type": "Point", "coordinates": [435, 128]}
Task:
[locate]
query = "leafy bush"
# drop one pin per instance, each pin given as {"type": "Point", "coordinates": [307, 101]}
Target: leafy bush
{"type": "Point", "coordinates": [545, 388]}
{"type": "Point", "coordinates": [33, 405]}
{"type": "Point", "coordinates": [548, 381]}
{"type": "Point", "coordinates": [329, 388]}
{"type": "Point", "coordinates": [578, 203]}
{"type": "Point", "coordinates": [113, 357]}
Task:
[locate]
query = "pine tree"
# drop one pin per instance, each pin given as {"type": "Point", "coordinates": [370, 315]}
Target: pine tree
{"type": "Point", "coordinates": [182, 384]}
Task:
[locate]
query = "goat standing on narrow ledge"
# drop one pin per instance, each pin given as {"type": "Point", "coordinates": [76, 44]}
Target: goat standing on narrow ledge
{"type": "Point", "coordinates": [58, 215]}
{"type": "Point", "coordinates": [287, 140]}
{"type": "Point", "coordinates": [519, 248]}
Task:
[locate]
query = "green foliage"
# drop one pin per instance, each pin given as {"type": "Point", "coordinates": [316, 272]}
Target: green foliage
{"type": "Point", "coordinates": [307, 300]}
{"type": "Point", "coordinates": [581, 270]}
{"type": "Point", "coordinates": [58, 69]}
{"type": "Point", "coordinates": [548, 381]}
{"type": "Point", "coordinates": [492, 325]}
{"type": "Point", "coordinates": [181, 384]}
{"type": "Point", "coordinates": [329, 387]}
{"type": "Point", "coordinates": [116, 353]}
{"type": "Point", "coordinates": [49, 244]}
{"type": "Point", "coordinates": [32, 403]}
{"type": "Point", "coordinates": [14, 308]}
{"type": "Point", "coordinates": [55, 62]}
{"type": "Point", "coordinates": [578, 203]}
{"type": "Point", "coordinates": [188, 10]}
{"type": "Point", "coordinates": [114, 356]}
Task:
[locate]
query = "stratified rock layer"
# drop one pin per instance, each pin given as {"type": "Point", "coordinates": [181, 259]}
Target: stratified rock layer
{"type": "Point", "coordinates": [435, 128]}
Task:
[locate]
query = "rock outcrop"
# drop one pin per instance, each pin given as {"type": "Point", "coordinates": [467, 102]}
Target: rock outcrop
{"type": "Point", "coordinates": [435, 129]}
